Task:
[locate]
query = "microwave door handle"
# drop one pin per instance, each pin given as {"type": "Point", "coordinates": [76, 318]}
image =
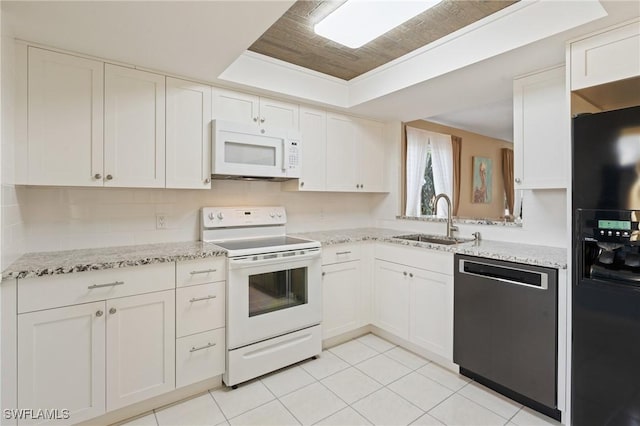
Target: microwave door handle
{"type": "Point", "coordinates": [284, 155]}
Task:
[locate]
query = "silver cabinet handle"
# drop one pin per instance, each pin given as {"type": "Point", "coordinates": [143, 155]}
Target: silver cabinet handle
{"type": "Point", "coordinates": [301, 184]}
{"type": "Point", "coordinates": [338, 253]}
{"type": "Point", "coordinates": [324, 273]}
{"type": "Point", "coordinates": [198, 299]}
{"type": "Point", "coordinates": [262, 120]}
{"type": "Point", "coordinates": [97, 176]}
{"type": "Point", "coordinates": [109, 177]}
{"type": "Point", "coordinates": [112, 311]}
{"type": "Point", "coordinates": [204, 271]}
{"type": "Point", "coordinates": [113, 284]}
{"type": "Point", "coordinates": [518, 180]}
{"type": "Point", "coordinates": [99, 313]}
{"type": "Point", "coordinates": [207, 180]}
{"type": "Point", "coordinates": [262, 131]}
{"type": "Point", "coordinates": [208, 345]}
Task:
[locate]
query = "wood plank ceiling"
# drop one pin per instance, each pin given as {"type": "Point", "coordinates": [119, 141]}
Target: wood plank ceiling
{"type": "Point", "coordinates": [291, 38]}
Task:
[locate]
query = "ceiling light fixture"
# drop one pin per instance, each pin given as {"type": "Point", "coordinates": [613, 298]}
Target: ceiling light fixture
{"type": "Point", "coordinates": [357, 22]}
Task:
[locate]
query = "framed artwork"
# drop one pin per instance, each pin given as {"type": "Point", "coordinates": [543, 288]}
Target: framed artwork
{"type": "Point", "coordinates": [482, 180]}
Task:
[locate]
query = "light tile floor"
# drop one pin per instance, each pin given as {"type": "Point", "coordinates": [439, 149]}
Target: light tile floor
{"type": "Point", "coordinates": [362, 382]}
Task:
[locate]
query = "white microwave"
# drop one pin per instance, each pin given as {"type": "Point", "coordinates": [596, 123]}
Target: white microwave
{"type": "Point", "coordinates": [243, 151]}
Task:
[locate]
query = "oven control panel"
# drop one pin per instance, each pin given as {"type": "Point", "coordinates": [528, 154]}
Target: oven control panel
{"type": "Point", "coordinates": [223, 217]}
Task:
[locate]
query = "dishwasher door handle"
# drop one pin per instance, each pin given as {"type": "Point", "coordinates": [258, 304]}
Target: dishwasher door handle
{"type": "Point", "coordinates": [524, 277]}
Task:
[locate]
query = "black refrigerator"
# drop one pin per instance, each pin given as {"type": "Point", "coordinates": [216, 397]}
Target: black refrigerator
{"type": "Point", "coordinates": [605, 351]}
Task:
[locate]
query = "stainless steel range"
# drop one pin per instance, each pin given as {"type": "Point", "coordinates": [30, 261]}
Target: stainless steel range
{"type": "Point", "coordinates": [274, 298]}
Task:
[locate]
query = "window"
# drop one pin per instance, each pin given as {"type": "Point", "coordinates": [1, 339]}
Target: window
{"type": "Point", "coordinates": [429, 170]}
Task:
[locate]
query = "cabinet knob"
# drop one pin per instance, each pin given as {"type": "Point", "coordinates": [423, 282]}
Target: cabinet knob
{"type": "Point", "coordinates": [207, 180]}
{"type": "Point", "coordinates": [262, 120]}
{"type": "Point", "coordinates": [404, 273]}
{"type": "Point", "coordinates": [410, 275]}
{"type": "Point", "coordinates": [255, 119]}
{"type": "Point", "coordinates": [301, 184]}
{"type": "Point", "coordinates": [97, 176]}
{"type": "Point", "coordinates": [261, 130]}
{"type": "Point", "coordinates": [112, 311]}
{"type": "Point", "coordinates": [109, 177]}
{"type": "Point", "coordinates": [324, 273]}
{"type": "Point", "coordinates": [99, 313]}
{"type": "Point", "coordinates": [518, 180]}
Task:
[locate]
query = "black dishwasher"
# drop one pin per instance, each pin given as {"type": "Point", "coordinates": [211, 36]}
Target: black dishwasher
{"type": "Point", "coordinates": [505, 329]}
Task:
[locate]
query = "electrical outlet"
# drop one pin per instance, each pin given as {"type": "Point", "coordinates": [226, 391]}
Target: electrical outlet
{"type": "Point", "coordinates": [162, 222]}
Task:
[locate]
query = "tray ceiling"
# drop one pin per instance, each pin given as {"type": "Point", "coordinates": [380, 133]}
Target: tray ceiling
{"type": "Point", "coordinates": [292, 39]}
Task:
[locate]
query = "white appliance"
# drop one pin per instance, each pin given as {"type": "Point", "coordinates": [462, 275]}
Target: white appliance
{"type": "Point", "coordinates": [274, 295]}
{"type": "Point", "coordinates": [242, 151]}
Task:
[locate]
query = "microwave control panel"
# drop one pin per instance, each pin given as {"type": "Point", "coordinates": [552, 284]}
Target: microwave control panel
{"type": "Point", "coordinates": [293, 154]}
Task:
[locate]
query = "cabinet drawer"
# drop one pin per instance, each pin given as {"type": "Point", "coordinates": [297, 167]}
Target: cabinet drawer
{"type": "Point", "coordinates": [200, 356]}
{"type": "Point", "coordinates": [430, 260]}
{"type": "Point", "coordinates": [199, 308]}
{"type": "Point", "coordinates": [82, 287]}
{"type": "Point", "coordinates": [201, 271]}
{"type": "Point", "coordinates": [340, 253]}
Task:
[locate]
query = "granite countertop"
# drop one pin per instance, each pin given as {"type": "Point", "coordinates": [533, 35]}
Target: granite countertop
{"type": "Point", "coordinates": [552, 257]}
{"type": "Point", "coordinates": [70, 261]}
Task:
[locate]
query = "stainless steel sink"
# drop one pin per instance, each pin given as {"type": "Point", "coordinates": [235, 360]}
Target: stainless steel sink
{"type": "Point", "coordinates": [434, 239]}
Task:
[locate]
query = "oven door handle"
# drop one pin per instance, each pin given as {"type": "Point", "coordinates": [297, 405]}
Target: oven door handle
{"type": "Point", "coordinates": [248, 261]}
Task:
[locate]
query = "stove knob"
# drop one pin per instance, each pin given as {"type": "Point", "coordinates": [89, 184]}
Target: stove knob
{"type": "Point", "coordinates": [220, 216]}
{"type": "Point", "coordinates": [211, 216]}
{"type": "Point", "coordinates": [279, 214]}
{"type": "Point", "coordinates": [272, 215]}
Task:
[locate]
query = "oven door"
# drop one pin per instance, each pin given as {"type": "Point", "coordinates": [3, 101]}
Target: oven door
{"type": "Point", "coordinates": [272, 294]}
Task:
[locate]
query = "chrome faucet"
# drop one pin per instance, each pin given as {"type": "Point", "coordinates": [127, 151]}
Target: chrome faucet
{"type": "Point", "coordinates": [450, 228]}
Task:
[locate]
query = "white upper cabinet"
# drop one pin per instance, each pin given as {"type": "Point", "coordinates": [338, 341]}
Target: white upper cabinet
{"type": "Point", "coordinates": [65, 119]}
{"type": "Point", "coordinates": [606, 57]}
{"type": "Point", "coordinates": [541, 130]}
{"type": "Point", "coordinates": [355, 154]}
{"type": "Point", "coordinates": [313, 130]}
{"type": "Point", "coordinates": [371, 156]}
{"type": "Point", "coordinates": [134, 128]}
{"type": "Point", "coordinates": [188, 143]}
{"type": "Point", "coordinates": [341, 171]}
{"type": "Point", "coordinates": [246, 108]}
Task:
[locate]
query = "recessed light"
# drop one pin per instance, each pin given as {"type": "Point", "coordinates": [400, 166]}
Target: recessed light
{"type": "Point", "coordinates": [357, 22]}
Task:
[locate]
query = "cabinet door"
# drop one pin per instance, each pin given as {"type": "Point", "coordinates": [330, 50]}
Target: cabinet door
{"type": "Point", "coordinates": [188, 135]}
{"type": "Point", "coordinates": [611, 56]}
{"type": "Point", "coordinates": [65, 119]}
{"type": "Point", "coordinates": [391, 298]}
{"type": "Point", "coordinates": [542, 137]}
{"type": "Point", "coordinates": [141, 347]}
{"type": "Point", "coordinates": [431, 312]}
{"type": "Point", "coordinates": [235, 106]}
{"type": "Point", "coordinates": [313, 127]}
{"type": "Point", "coordinates": [341, 298]}
{"type": "Point", "coordinates": [61, 360]}
{"type": "Point", "coordinates": [341, 153]}
{"type": "Point", "coordinates": [278, 114]}
{"type": "Point", "coordinates": [134, 129]}
{"type": "Point", "coordinates": [370, 154]}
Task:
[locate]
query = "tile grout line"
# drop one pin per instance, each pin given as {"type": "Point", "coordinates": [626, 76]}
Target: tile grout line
{"type": "Point", "coordinates": [277, 398]}
{"type": "Point", "coordinates": [217, 405]}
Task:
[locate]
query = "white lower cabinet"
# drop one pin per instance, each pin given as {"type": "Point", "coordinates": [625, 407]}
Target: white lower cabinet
{"type": "Point", "coordinates": [391, 298]}
{"type": "Point", "coordinates": [413, 303]}
{"type": "Point", "coordinates": [340, 298]}
{"type": "Point", "coordinates": [61, 360]}
{"type": "Point", "coordinates": [200, 356]}
{"type": "Point", "coordinates": [140, 347]}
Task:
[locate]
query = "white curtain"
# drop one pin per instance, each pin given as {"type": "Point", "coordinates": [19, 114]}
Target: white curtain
{"type": "Point", "coordinates": [417, 150]}
{"type": "Point", "coordinates": [442, 166]}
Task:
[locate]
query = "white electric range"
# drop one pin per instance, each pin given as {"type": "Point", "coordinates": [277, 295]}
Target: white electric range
{"type": "Point", "coordinates": [274, 296]}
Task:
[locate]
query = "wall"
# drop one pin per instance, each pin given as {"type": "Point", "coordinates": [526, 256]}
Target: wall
{"type": "Point", "coordinates": [473, 145]}
{"type": "Point", "coordinates": [75, 218]}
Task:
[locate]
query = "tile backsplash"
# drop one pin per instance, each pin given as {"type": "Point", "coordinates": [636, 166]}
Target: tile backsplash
{"type": "Point", "coordinates": [53, 218]}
